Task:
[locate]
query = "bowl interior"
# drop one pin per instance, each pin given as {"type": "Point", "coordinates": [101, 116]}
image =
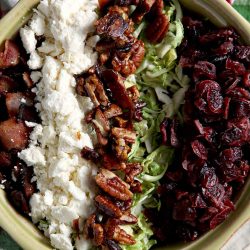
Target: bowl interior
{"type": "Point", "coordinates": [25, 233]}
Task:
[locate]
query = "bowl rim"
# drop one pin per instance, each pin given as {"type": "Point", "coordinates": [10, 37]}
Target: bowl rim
{"type": "Point", "coordinates": [28, 236]}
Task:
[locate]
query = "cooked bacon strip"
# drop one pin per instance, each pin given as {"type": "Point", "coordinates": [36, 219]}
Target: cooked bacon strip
{"type": "Point", "coordinates": [116, 85]}
{"type": "Point", "coordinates": [15, 100]}
{"type": "Point", "coordinates": [7, 84]}
{"type": "Point", "coordinates": [112, 111]}
{"type": "Point", "coordinates": [10, 57]}
{"type": "Point", "coordinates": [143, 8]}
{"type": "Point", "coordinates": [13, 134]}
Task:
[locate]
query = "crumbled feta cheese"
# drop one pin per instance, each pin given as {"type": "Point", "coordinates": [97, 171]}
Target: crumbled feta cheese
{"type": "Point", "coordinates": [35, 61]}
{"type": "Point", "coordinates": [28, 39]}
{"type": "Point", "coordinates": [64, 180]}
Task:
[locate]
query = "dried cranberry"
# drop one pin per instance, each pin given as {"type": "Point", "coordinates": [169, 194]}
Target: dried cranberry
{"type": "Point", "coordinates": [199, 149]}
{"type": "Point", "coordinates": [246, 79]}
{"type": "Point", "coordinates": [220, 217]}
{"type": "Point", "coordinates": [204, 70]}
{"type": "Point", "coordinates": [236, 67]}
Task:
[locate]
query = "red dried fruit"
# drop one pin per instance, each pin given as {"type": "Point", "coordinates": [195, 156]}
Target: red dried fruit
{"type": "Point", "coordinates": [204, 70]}
{"type": "Point", "coordinates": [246, 79]}
{"type": "Point", "coordinates": [235, 67]}
{"type": "Point", "coordinates": [199, 149]}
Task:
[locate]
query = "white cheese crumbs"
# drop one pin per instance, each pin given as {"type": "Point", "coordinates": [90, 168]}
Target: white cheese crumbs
{"type": "Point", "coordinates": [64, 179]}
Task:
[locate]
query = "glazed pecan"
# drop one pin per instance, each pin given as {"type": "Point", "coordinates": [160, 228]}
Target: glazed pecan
{"type": "Point", "coordinates": [107, 206]}
{"type": "Point", "coordinates": [124, 205]}
{"type": "Point", "coordinates": [127, 63]}
{"type": "Point", "coordinates": [101, 139]}
{"type": "Point", "coordinates": [95, 91]}
{"type": "Point", "coordinates": [111, 163]}
{"type": "Point", "coordinates": [113, 185]}
{"type": "Point", "coordinates": [136, 187]}
{"type": "Point", "coordinates": [134, 93]}
{"type": "Point", "coordinates": [132, 170]}
{"type": "Point", "coordinates": [93, 230]}
{"type": "Point", "coordinates": [122, 133]}
{"type": "Point", "coordinates": [11, 56]}
{"type": "Point", "coordinates": [7, 84]}
{"type": "Point", "coordinates": [120, 122]}
{"type": "Point", "coordinates": [112, 111]}
{"type": "Point", "coordinates": [156, 9]}
{"type": "Point", "coordinates": [128, 218]}
{"type": "Point", "coordinates": [142, 9]}
{"type": "Point", "coordinates": [114, 232]}
{"type": "Point", "coordinates": [101, 121]}
{"type": "Point", "coordinates": [157, 29]}
{"type": "Point", "coordinates": [121, 149]}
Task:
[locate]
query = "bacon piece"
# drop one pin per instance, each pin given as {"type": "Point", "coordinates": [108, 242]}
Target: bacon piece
{"type": "Point", "coordinates": [127, 135]}
{"type": "Point", "coordinates": [15, 100]}
{"type": "Point", "coordinates": [113, 185]}
{"type": "Point", "coordinates": [157, 29]}
{"type": "Point", "coordinates": [112, 111]}
{"type": "Point", "coordinates": [96, 91]}
{"type": "Point", "coordinates": [10, 57]}
{"type": "Point", "coordinates": [116, 85]}
{"type": "Point", "coordinates": [29, 83]}
{"type": "Point", "coordinates": [143, 8]}
{"type": "Point", "coordinates": [13, 134]}
{"type": "Point", "coordinates": [7, 84]}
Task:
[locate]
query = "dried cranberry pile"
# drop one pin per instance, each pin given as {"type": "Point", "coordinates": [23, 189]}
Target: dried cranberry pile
{"type": "Point", "coordinates": [16, 107]}
{"type": "Point", "coordinates": [212, 163]}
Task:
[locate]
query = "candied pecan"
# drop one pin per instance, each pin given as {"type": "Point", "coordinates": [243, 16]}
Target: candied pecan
{"type": "Point", "coordinates": [111, 25]}
{"type": "Point", "coordinates": [7, 84]}
{"type": "Point", "coordinates": [136, 187]}
{"type": "Point", "coordinates": [127, 63]}
{"type": "Point", "coordinates": [13, 134]}
{"type": "Point", "coordinates": [112, 111]}
{"type": "Point", "coordinates": [104, 46]}
{"type": "Point", "coordinates": [134, 93]}
{"type": "Point", "coordinates": [114, 232]}
{"type": "Point", "coordinates": [142, 9]}
{"type": "Point", "coordinates": [107, 206]}
{"type": "Point", "coordinates": [157, 29]}
{"type": "Point", "coordinates": [121, 149]}
{"type": "Point", "coordinates": [90, 154]}
{"type": "Point", "coordinates": [90, 116]}
{"type": "Point", "coordinates": [122, 133]}
{"type": "Point", "coordinates": [11, 56]}
{"type": "Point", "coordinates": [113, 185]}
{"type": "Point", "coordinates": [124, 205]}
{"type": "Point", "coordinates": [116, 85]}
{"type": "Point", "coordinates": [120, 122]}
{"type": "Point", "coordinates": [101, 122]}
{"type": "Point", "coordinates": [95, 91]}
{"type": "Point", "coordinates": [128, 218]}
{"type": "Point", "coordinates": [80, 86]}
{"type": "Point", "coordinates": [101, 139]}
{"type": "Point", "coordinates": [111, 163]}
{"type": "Point", "coordinates": [132, 170]}
{"type": "Point", "coordinates": [94, 231]}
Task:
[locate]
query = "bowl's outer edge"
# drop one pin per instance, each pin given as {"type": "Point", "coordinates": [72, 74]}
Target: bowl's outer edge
{"type": "Point", "coordinates": [25, 233]}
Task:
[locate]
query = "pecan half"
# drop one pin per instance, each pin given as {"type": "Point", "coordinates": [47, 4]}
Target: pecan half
{"type": "Point", "coordinates": [101, 122]}
{"type": "Point", "coordinates": [122, 133]}
{"type": "Point", "coordinates": [134, 93]}
{"type": "Point", "coordinates": [95, 91]}
{"type": "Point", "coordinates": [157, 29]}
{"type": "Point", "coordinates": [107, 206]}
{"type": "Point", "coordinates": [113, 185]}
{"type": "Point", "coordinates": [156, 9]}
{"type": "Point", "coordinates": [7, 84]}
{"type": "Point", "coordinates": [114, 232]}
{"type": "Point", "coordinates": [111, 163]}
{"type": "Point", "coordinates": [128, 218]}
{"type": "Point", "coordinates": [112, 111]}
{"type": "Point", "coordinates": [121, 149]}
{"type": "Point", "coordinates": [120, 122]}
{"type": "Point", "coordinates": [27, 80]}
{"type": "Point", "coordinates": [101, 139]}
{"type": "Point", "coordinates": [80, 82]}
{"type": "Point", "coordinates": [132, 170]}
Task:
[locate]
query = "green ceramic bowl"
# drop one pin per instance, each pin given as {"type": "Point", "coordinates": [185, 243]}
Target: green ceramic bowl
{"type": "Point", "coordinates": [25, 233]}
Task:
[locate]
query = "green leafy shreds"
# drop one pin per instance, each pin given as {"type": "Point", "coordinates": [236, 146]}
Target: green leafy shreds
{"type": "Point", "coordinates": [142, 233]}
{"type": "Point", "coordinates": [43, 225]}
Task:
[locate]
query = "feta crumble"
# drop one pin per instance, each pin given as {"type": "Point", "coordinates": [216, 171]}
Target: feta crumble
{"type": "Point", "coordinates": [64, 179]}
